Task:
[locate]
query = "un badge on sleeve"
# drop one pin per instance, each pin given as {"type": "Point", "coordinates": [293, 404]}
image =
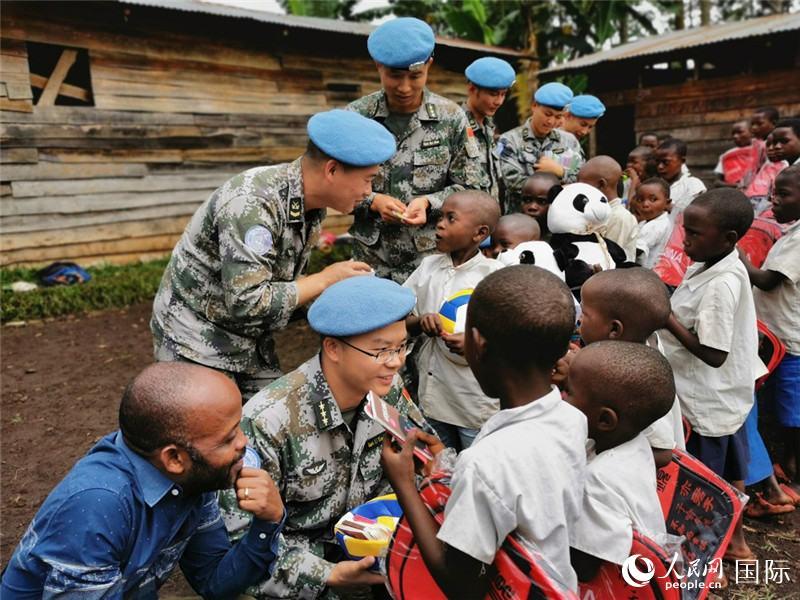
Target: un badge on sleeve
{"type": "Point", "coordinates": [259, 239]}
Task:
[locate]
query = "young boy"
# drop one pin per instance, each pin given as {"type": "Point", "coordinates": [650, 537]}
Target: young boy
{"type": "Point", "coordinates": [649, 139]}
{"type": "Point", "coordinates": [449, 396]}
{"type": "Point", "coordinates": [535, 199]}
{"type": "Point", "coordinates": [761, 185]}
{"type": "Point", "coordinates": [632, 305]}
{"type": "Point", "coordinates": [712, 341]}
{"type": "Point", "coordinates": [641, 165]}
{"type": "Point", "coordinates": [777, 298]}
{"type": "Point", "coordinates": [762, 122]}
{"type": "Point", "coordinates": [604, 173]}
{"type": "Point", "coordinates": [525, 471]}
{"type": "Point", "coordinates": [787, 140]}
{"type": "Point", "coordinates": [652, 208]}
{"type": "Point", "coordinates": [737, 166]}
{"type": "Point", "coordinates": [622, 388]}
{"type": "Point", "coordinates": [670, 160]}
{"type": "Point", "coordinates": [512, 230]}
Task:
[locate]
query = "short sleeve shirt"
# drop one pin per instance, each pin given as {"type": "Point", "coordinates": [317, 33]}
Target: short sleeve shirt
{"type": "Point", "coordinates": [716, 304]}
{"type": "Point", "coordinates": [622, 228]}
{"type": "Point", "coordinates": [524, 473]}
{"type": "Point", "coordinates": [779, 308]}
{"type": "Point", "coordinates": [448, 391]}
{"type": "Point", "coordinates": [653, 237]}
{"type": "Point", "coordinates": [620, 497]}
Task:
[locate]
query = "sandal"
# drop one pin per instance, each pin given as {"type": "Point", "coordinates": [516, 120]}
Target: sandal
{"type": "Point", "coordinates": [787, 489]}
{"type": "Point", "coordinates": [758, 508]}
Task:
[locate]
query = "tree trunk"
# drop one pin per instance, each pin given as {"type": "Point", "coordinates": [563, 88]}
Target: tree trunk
{"type": "Point", "coordinates": [705, 12]}
{"type": "Point", "coordinates": [680, 16]}
{"type": "Point", "coordinates": [623, 28]}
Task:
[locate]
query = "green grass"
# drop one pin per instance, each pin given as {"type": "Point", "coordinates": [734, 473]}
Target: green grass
{"type": "Point", "coordinates": [111, 286]}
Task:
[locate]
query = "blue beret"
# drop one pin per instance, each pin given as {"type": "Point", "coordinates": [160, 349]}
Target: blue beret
{"type": "Point", "coordinates": [358, 305]}
{"type": "Point", "coordinates": [401, 43]}
{"type": "Point", "coordinates": [553, 94]}
{"type": "Point", "coordinates": [586, 106]}
{"type": "Point", "coordinates": [492, 73]}
{"type": "Point", "coordinates": [351, 138]}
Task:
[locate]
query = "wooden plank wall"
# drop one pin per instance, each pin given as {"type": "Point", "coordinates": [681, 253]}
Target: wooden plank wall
{"type": "Point", "coordinates": [702, 112]}
{"type": "Point", "coordinates": [174, 116]}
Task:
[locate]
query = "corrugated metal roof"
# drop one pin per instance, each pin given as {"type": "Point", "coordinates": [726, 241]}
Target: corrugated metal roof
{"type": "Point", "coordinates": [687, 38]}
{"type": "Point", "coordinates": [332, 25]}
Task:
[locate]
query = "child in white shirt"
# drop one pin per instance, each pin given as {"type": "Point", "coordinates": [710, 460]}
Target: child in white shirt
{"type": "Point", "coordinates": [604, 173]}
{"type": "Point", "coordinates": [622, 388]}
{"type": "Point", "coordinates": [631, 305]}
{"type": "Point", "coordinates": [449, 395]}
{"type": "Point", "coordinates": [652, 207]}
{"type": "Point", "coordinates": [777, 298]}
{"type": "Point", "coordinates": [712, 340]}
{"type": "Point", "coordinates": [525, 472]}
{"type": "Point", "coordinates": [671, 166]}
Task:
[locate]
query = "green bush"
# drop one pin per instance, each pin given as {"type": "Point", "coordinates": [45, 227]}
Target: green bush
{"type": "Point", "coordinates": [111, 286]}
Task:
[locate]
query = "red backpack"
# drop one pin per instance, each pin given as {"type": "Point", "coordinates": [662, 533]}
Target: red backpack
{"type": "Point", "coordinates": [516, 572]}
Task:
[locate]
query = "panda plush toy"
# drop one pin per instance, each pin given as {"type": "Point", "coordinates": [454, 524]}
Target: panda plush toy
{"type": "Point", "coordinates": [532, 253]}
{"type": "Point", "coordinates": [577, 211]}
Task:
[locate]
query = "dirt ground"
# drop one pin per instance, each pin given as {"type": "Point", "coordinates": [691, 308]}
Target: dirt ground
{"type": "Point", "coordinates": [60, 384]}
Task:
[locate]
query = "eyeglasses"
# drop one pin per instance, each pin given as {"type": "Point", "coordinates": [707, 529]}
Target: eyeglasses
{"type": "Point", "coordinates": [384, 356]}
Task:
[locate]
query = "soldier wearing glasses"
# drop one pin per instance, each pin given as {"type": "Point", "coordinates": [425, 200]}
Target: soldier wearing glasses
{"type": "Point", "coordinates": [316, 442]}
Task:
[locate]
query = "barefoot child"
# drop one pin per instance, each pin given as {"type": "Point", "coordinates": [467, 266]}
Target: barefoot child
{"type": "Point", "coordinates": [525, 471]}
{"type": "Point", "coordinates": [449, 396]}
{"type": "Point", "coordinates": [777, 298]}
{"type": "Point", "coordinates": [652, 208]}
{"type": "Point", "coordinates": [622, 388]}
{"type": "Point", "coordinates": [712, 341]}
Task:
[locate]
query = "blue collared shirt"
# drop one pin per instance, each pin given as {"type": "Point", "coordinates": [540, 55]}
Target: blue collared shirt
{"type": "Point", "coordinates": [116, 526]}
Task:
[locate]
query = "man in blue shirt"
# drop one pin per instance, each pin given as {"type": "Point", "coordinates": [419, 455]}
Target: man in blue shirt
{"type": "Point", "coordinates": [142, 500]}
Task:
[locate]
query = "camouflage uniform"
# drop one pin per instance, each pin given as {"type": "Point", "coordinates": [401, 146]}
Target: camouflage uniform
{"type": "Point", "coordinates": [322, 467]}
{"type": "Point", "coordinates": [519, 149]}
{"type": "Point", "coordinates": [485, 138]}
{"type": "Point", "coordinates": [436, 156]}
{"type": "Point", "coordinates": [231, 279]}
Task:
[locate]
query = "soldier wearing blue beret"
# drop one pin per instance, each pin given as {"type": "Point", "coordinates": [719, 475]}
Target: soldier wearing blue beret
{"type": "Point", "coordinates": [316, 441]}
{"type": "Point", "coordinates": [233, 276]}
{"type": "Point", "coordinates": [394, 228]}
{"type": "Point", "coordinates": [582, 114]}
{"type": "Point", "coordinates": [488, 81]}
{"type": "Point", "coordinates": [538, 145]}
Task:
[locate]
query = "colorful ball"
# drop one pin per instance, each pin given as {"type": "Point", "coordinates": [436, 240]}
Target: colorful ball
{"type": "Point", "coordinates": [376, 521]}
{"type": "Point", "coordinates": [453, 312]}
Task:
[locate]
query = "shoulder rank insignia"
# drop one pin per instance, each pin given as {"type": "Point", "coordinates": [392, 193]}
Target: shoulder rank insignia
{"type": "Point", "coordinates": [323, 416]}
{"type": "Point", "coordinates": [295, 210]}
{"type": "Point", "coordinates": [373, 442]}
{"type": "Point", "coordinates": [431, 110]}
